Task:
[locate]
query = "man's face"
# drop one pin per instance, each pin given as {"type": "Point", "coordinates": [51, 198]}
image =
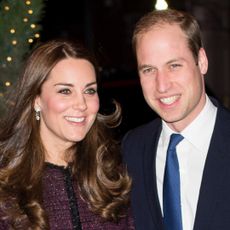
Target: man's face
{"type": "Point", "coordinates": [172, 80]}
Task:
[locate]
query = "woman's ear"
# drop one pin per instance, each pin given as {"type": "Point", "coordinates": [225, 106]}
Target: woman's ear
{"type": "Point", "coordinates": [37, 108]}
{"type": "Point", "coordinates": [37, 104]}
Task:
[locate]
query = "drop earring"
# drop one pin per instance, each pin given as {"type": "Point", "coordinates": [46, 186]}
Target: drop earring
{"type": "Point", "coordinates": [37, 113]}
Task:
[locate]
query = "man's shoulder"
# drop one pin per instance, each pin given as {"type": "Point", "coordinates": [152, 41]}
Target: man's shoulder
{"type": "Point", "coordinates": [144, 131]}
{"type": "Point", "coordinates": [137, 140]}
{"type": "Point", "coordinates": [223, 113]}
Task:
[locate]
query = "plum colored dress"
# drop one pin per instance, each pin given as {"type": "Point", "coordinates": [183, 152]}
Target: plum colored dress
{"type": "Point", "coordinates": [64, 207]}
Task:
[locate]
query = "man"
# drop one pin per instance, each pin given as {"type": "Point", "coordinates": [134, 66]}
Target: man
{"type": "Point", "coordinates": [171, 64]}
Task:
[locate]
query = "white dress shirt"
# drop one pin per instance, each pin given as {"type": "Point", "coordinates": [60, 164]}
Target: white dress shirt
{"type": "Point", "coordinates": [191, 153]}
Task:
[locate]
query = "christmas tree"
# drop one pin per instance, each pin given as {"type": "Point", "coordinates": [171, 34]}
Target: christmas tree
{"type": "Point", "coordinates": [19, 31]}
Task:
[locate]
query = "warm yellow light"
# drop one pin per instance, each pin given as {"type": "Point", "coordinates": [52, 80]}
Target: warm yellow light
{"type": "Point", "coordinates": [7, 83]}
{"type": "Point", "coordinates": [6, 8]}
{"type": "Point", "coordinates": [161, 5]}
{"type": "Point", "coordinates": [25, 19]}
{"type": "Point", "coordinates": [30, 40]}
{"type": "Point", "coordinates": [37, 35]}
{"type": "Point", "coordinates": [14, 42]}
{"type": "Point", "coordinates": [33, 26]}
{"type": "Point", "coordinates": [1, 94]}
{"type": "Point", "coordinates": [12, 31]}
{"type": "Point", "coordinates": [28, 2]}
{"type": "Point", "coordinates": [30, 11]}
{"type": "Point", "coordinates": [9, 59]}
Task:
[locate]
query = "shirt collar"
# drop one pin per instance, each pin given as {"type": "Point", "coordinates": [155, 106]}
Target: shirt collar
{"type": "Point", "coordinates": [199, 131]}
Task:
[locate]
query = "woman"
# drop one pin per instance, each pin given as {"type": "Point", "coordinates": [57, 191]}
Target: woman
{"type": "Point", "coordinates": [60, 169]}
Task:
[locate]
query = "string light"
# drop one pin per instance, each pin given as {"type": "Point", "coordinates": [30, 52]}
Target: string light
{"type": "Point", "coordinates": [37, 35]}
{"type": "Point", "coordinates": [30, 40]}
{"type": "Point", "coordinates": [12, 31]}
{"type": "Point", "coordinates": [7, 83]}
{"type": "Point", "coordinates": [33, 26]}
{"type": "Point", "coordinates": [14, 42]}
{"type": "Point", "coordinates": [25, 20]}
{"type": "Point", "coordinates": [6, 8]}
{"type": "Point", "coordinates": [28, 3]}
{"type": "Point", "coordinates": [30, 12]}
{"type": "Point", "coordinates": [9, 59]}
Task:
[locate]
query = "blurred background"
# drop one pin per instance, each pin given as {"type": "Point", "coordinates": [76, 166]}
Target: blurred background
{"type": "Point", "coordinates": [105, 26]}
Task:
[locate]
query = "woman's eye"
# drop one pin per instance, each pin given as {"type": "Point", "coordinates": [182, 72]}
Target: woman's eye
{"type": "Point", "coordinates": [64, 91]}
{"type": "Point", "coordinates": [90, 91]}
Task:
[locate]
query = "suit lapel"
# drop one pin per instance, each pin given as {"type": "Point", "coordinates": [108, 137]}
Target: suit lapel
{"type": "Point", "coordinates": [214, 171]}
{"type": "Point", "coordinates": [150, 175]}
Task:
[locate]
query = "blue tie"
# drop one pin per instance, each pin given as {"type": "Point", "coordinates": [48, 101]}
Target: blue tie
{"type": "Point", "coordinates": [171, 188]}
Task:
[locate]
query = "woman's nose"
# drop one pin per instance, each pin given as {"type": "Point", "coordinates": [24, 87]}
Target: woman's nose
{"type": "Point", "coordinates": [80, 103]}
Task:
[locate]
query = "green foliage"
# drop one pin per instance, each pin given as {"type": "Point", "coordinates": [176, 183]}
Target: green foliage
{"type": "Point", "coordinates": [17, 18]}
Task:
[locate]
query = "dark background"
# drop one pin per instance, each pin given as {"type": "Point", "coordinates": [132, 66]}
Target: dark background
{"type": "Point", "coordinates": [106, 26]}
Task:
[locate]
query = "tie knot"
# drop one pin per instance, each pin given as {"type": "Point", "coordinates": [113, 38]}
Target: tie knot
{"type": "Point", "coordinates": [175, 139]}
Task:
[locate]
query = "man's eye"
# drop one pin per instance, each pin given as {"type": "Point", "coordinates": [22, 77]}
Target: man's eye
{"type": "Point", "coordinates": [147, 70]}
{"type": "Point", "coordinates": [175, 65]}
{"type": "Point", "coordinates": [90, 91]}
{"type": "Point", "coordinates": [64, 91]}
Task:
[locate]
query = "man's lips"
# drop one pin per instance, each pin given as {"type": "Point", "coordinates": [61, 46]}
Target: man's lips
{"type": "Point", "coordinates": [169, 100]}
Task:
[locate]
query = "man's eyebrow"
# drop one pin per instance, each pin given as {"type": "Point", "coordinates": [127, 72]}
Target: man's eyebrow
{"type": "Point", "coordinates": [141, 67]}
{"type": "Point", "coordinates": [175, 60]}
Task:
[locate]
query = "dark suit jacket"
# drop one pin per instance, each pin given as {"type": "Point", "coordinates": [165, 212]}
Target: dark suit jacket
{"type": "Point", "coordinates": [213, 210]}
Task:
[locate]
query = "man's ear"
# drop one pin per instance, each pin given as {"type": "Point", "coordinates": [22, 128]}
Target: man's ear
{"type": "Point", "coordinates": [202, 61]}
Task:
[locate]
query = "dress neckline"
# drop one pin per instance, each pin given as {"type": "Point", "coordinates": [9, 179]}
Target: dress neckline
{"type": "Point", "coordinates": [59, 167]}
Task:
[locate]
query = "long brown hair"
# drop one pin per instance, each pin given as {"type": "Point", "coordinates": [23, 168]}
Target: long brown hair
{"type": "Point", "coordinates": [102, 182]}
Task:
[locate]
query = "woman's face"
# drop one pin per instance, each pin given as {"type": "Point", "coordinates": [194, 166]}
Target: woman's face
{"type": "Point", "coordinates": [68, 102]}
